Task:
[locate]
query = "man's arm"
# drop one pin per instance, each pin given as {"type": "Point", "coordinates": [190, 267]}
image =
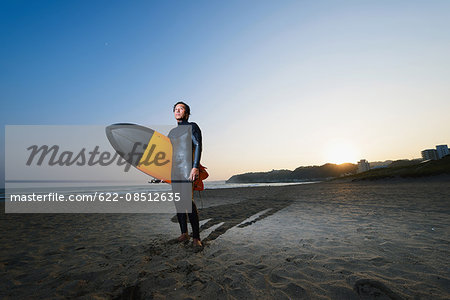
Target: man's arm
{"type": "Point", "coordinates": [197, 143]}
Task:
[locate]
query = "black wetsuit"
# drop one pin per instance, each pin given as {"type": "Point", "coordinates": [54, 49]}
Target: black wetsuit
{"type": "Point", "coordinates": [186, 141]}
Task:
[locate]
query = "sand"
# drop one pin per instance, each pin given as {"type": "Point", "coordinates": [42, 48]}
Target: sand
{"type": "Point", "coordinates": [368, 240]}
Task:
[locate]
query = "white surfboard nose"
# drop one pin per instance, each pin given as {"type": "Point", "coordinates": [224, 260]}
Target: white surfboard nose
{"type": "Point", "coordinates": [129, 140]}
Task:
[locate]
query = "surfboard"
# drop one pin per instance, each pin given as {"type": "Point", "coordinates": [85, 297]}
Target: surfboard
{"type": "Point", "coordinates": [143, 148]}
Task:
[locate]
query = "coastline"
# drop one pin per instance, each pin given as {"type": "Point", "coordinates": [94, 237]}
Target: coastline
{"type": "Point", "coordinates": [324, 240]}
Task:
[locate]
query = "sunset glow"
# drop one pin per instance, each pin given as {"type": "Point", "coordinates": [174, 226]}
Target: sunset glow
{"type": "Point", "coordinates": [339, 152]}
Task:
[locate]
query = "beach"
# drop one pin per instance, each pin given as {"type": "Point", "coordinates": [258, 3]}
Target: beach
{"type": "Point", "coordinates": [330, 240]}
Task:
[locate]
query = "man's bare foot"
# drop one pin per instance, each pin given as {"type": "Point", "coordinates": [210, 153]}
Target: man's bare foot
{"type": "Point", "coordinates": [183, 237]}
{"type": "Point", "coordinates": [197, 243]}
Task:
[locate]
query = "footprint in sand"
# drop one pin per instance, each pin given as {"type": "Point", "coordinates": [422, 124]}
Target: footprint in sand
{"type": "Point", "coordinates": [372, 289]}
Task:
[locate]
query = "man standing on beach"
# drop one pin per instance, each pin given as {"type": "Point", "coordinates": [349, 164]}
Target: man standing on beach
{"type": "Point", "coordinates": [185, 169]}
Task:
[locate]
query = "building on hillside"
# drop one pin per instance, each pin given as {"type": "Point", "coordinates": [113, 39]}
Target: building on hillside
{"type": "Point", "coordinates": [429, 154]}
{"type": "Point", "coordinates": [442, 150]}
{"type": "Point", "coordinates": [363, 166]}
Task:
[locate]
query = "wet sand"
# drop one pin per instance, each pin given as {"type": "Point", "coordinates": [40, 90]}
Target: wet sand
{"type": "Point", "coordinates": [366, 240]}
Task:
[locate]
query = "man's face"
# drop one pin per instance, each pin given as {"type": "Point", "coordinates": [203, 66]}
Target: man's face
{"type": "Point", "coordinates": [180, 112]}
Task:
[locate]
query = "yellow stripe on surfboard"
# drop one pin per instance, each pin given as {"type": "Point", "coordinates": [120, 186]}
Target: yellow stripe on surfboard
{"type": "Point", "coordinates": [157, 158]}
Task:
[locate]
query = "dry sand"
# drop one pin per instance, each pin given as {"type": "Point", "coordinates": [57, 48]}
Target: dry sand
{"type": "Point", "coordinates": [371, 240]}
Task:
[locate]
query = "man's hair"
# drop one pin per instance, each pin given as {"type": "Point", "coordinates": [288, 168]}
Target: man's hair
{"type": "Point", "coordinates": [186, 107]}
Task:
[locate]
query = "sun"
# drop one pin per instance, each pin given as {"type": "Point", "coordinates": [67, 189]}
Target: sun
{"type": "Point", "coordinates": [339, 152]}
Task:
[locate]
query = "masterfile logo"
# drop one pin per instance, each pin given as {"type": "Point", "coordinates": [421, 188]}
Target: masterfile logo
{"type": "Point", "coordinates": [61, 168]}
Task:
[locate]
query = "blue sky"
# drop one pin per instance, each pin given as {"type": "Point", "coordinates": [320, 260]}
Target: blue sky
{"type": "Point", "coordinates": [272, 84]}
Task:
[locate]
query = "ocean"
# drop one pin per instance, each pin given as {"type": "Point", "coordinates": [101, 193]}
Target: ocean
{"type": "Point", "coordinates": [106, 187]}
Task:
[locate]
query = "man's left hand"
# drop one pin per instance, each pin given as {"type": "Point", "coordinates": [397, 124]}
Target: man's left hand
{"type": "Point", "coordinates": [194, 174]}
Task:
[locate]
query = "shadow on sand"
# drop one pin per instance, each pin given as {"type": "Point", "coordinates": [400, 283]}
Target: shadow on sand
{"type": "Point", "coordinates": [235, 214]}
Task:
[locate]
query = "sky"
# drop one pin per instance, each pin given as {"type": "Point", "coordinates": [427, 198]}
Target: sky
{"type": "Point", "coordinates": [272, 84]}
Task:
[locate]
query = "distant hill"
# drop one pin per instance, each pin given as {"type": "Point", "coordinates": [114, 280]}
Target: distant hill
{"type": "Point", "coordinates": [396, 169]}
{"type": "Point", "coordinates": [406, 169]}
{"type": "Point", "coordinates": [380, 164]}
{"type": "Point", "coordinates": [310, 173]}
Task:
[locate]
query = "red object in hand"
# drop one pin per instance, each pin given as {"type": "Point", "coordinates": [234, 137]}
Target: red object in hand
{"type": "Point", "coordinates": [198, 183]}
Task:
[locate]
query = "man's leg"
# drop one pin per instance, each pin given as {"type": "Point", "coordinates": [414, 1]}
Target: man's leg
{"type": "Point", "coordinates": [182, 220]}
{"type": "Point", "coordinates": [193, 218]}
{"type": "Point", "coordinates": [181, 211]}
